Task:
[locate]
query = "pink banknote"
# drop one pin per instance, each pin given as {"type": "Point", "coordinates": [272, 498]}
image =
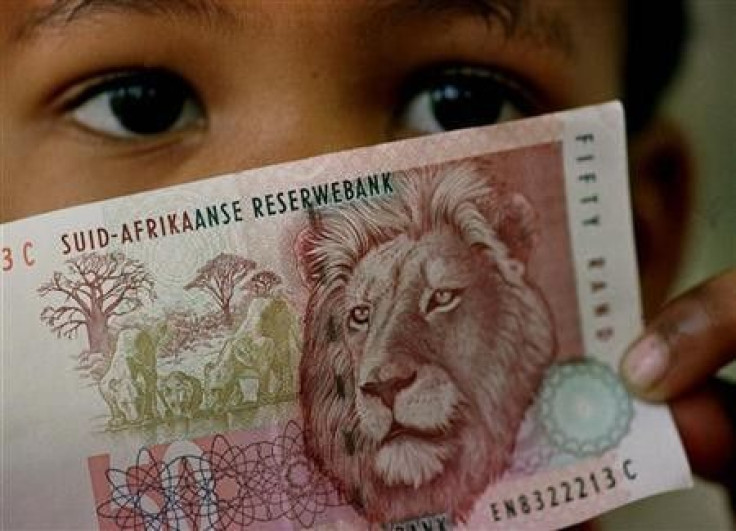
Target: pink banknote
{"type": "Point", "coordinates": [416, 335]}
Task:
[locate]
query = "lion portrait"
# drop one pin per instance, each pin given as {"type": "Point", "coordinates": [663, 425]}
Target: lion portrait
{"type": "Point", "coordinates": [424, 341]}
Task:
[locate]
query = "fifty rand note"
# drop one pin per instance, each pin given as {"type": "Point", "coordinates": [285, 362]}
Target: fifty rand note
{"type": "Point", "coordinates": [416, 335]}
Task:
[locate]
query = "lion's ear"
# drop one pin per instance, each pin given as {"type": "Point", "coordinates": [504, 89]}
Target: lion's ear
{"type": "Point", "coordinates": [517, 226]}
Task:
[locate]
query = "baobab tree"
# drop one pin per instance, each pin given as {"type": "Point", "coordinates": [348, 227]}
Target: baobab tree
{"type": "Point", "coordinates": [220, 278]}
{"type": "Point", "coordinates": [95, 289]}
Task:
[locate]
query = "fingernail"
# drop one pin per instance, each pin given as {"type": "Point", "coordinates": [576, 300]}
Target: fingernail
{"type": "Point", "coordinates": [646, 362]}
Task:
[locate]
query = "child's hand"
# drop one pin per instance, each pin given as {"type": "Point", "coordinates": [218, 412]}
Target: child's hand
{"type": "Point", "coordinates": [676, 360]}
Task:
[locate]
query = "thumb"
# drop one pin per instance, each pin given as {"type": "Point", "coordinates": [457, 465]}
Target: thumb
{"type": "Point", "coordinates": [687, 343]}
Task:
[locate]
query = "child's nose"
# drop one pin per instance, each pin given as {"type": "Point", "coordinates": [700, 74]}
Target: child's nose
{"type": "Point", "coordinates": [307, 129]}
{"type": "Point", "coordinates": [289, 134]}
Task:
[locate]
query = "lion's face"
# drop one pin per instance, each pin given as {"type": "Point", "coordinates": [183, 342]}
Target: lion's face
{"type": "Point", "coordinates": [430, 329]}
{"type": "Point", "coordinates": [417, 317]}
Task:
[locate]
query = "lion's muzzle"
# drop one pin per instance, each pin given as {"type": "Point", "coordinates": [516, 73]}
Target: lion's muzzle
{"type": "Point", "coordinates": [387, 389]}
{"type": "Point", "coordinates": [418, 403]}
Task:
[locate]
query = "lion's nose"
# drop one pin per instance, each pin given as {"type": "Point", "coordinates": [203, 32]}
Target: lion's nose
{"type": "Point", "coordinates": [387, 390]}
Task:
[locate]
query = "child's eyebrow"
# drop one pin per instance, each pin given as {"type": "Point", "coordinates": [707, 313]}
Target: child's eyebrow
{"type": "Point", "coordinates": [548, 30]}
{"type": "Point", "coordinates": [507, 12]}
{"type": "Point", "coordinates": [61, 13]}
{"type": "Point", "coordinates": [523, 19]}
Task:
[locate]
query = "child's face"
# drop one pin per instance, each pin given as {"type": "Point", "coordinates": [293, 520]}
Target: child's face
{"type": "Point", "coordinates": [106, 97]}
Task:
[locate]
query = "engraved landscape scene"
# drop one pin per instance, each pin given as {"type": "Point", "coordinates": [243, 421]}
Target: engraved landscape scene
{"type": "Point", "coordinates": [186, 373]}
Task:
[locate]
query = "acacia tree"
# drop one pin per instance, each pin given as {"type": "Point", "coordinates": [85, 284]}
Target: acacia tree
{"type": "Point", "coordinates": [220, 278]}
{"type": "Point", "coordinates": [261, 284]}
{"type": "Point", "coordinates": [94, 289]}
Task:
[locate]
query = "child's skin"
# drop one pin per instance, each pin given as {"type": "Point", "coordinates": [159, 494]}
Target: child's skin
{"type": "Point", "coordinates": [261, 82]}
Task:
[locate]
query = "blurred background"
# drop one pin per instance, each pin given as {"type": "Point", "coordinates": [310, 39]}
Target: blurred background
{"type": "Point", "coordinates": [703, 101]}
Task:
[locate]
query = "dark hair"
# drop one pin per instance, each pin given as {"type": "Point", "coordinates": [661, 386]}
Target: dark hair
{"type": "Point", "coordinates": [657, 31]}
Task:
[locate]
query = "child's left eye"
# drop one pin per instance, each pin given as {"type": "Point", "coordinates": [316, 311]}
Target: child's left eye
{"type": "Point", "coordinates": [143, 103]}
{"type": "Point", "coordinates": [461, 97]}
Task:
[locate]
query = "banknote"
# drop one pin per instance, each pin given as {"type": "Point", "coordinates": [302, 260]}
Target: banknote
{"type": "Point", "coordinates": [417, 335]}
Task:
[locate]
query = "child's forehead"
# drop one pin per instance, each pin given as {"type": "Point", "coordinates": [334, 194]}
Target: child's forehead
{"type": "Point", "coordinates": [547, 21]}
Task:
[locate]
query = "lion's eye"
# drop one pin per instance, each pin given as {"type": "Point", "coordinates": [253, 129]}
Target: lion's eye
{"type": "Point", "coordinates": [359, 317]}
{"type": "Point", "coordinates": [443, 300]}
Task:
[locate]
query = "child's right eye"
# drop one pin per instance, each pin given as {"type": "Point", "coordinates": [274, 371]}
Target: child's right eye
{"type": "Point", "coordinates": [457, 98]}
{"type": "Point", "coordinates": [137, 104]}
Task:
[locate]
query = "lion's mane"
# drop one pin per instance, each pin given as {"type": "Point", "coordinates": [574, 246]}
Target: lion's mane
{"type": "Point", "coordinates": [458, 197]}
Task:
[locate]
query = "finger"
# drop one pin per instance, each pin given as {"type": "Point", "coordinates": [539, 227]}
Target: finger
{"type": "Point", "coordinates": [691, 338]}
{"type": "Point", "coordinates": [706, 420]}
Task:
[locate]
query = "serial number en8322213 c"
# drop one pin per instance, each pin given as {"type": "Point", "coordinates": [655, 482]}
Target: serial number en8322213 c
{"type": "Point", "coordinates": [565, 492]}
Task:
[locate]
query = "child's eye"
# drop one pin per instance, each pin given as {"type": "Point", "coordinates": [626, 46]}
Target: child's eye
{"type": "Point", "coordinates": [462, 97]}
{"type": "Point", "coordinates": [137, 104]}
